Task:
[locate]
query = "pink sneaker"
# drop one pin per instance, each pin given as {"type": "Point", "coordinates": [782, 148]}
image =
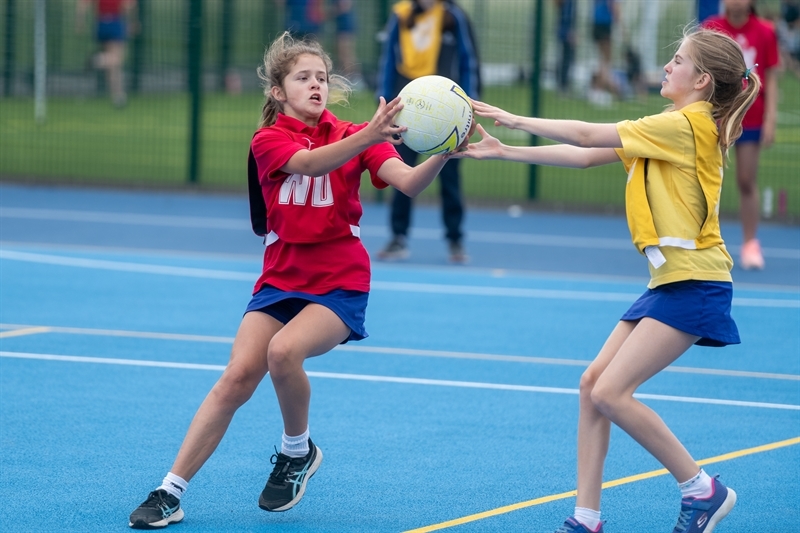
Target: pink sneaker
{"type": "Point", "coordinates": [751, 257]}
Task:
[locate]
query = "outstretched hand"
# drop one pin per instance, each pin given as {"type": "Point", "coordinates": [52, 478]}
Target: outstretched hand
{"type": "Point", "coordinates": [465, 142]}
{"type": "Point", "coordinates": [382, 127]}
{"type": "Point", "coordinates": [488, 148]}
{"type": "Point", "coordinates": [501, 117]}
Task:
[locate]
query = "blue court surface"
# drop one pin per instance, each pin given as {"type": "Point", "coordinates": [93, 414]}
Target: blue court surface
{"type": "Point", "coordinates": [458, 413]}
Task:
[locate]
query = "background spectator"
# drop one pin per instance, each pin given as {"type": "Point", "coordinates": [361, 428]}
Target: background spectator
{"type": "Point", "coordinates": [115, 22]}
{"type": "Point", "coordinates": [427, 37]}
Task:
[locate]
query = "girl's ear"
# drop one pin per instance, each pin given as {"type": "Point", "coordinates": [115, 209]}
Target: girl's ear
{"type": "Point", "coordinates": [277, 93]}
{"type": "Point", "coordinates": [703, 81]}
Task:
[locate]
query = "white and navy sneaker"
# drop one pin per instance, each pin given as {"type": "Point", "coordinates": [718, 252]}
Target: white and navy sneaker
{"type": "Point", "coordinates": [287, 482]}
{"type": "Point", "coordinates": [160, 509]}
{"type": "Point", "coordinates": [702, 515]}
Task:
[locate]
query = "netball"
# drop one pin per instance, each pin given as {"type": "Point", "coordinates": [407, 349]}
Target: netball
{"type": "Point", "coordinates": [437, 113]}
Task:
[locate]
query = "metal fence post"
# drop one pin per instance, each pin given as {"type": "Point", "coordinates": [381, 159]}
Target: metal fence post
{"type": "Point", "coordinates": [533, 177]}
{"type": "Point", "coordinates": [195, 81]}
{"type": "Point", "coordinates": [137, 52]}
{"type": "Point", "coordinates": [226, 42]}
{"type": "Point", "coordinates": [10, 56]}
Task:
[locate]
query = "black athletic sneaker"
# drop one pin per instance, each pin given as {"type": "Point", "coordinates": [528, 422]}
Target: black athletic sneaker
{"type": "Point", "coordinates": [160, 509]}
{"type": "Point", "coordinates": [287, 482]}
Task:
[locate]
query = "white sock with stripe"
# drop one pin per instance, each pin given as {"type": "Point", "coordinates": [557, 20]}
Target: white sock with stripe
{"type": "Point", "coordinates": [175, 485]}
{"type": "Point", "coordinates": [700, 486]}
{"type": "Point", "coordinates": [295, 446]}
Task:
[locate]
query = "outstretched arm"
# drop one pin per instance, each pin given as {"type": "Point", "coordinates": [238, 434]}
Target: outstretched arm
{"type": "Point", "coordinates": [559, 155]}
{"type": "Point", "coordinates": [326, 159]}
{"type": "Point", "coordinates": [574, 132]}
{"type": "Point", "coordinates": [411, 180]}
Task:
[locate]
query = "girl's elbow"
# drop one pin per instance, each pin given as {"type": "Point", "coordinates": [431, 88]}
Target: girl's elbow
{"type": "Point", "coordinates": [585, 141]}
{"type": "Point", "coordinates": [411, 192]}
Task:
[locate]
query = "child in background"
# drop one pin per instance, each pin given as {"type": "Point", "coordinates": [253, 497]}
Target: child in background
{"type": "Point", "coordinates": [674, 162]}
{"type": "Point", "coordinates": [313, 291]}
{"type": "Point", "coordinates": [759, 44]}
{"type": "Point", "coordinates": [115, 22]}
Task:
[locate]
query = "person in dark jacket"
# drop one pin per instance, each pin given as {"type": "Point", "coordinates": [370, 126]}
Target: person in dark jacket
{"type": "Point", "coordinates": [425, 37]}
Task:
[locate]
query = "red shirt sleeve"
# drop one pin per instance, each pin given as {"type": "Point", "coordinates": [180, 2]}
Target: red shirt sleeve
{"type": "Point", "coordinates": [273, 148]}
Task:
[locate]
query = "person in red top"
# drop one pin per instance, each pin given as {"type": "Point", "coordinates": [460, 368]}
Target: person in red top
{"type": "Point", "coordinates": [759, 43]}
{"type": "Point", "coordinates": [313, 291]}
{"type": "Point", "coordinates": [115, 20]}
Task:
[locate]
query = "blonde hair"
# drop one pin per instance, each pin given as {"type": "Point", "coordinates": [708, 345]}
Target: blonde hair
{"type": "Point", "coordinates": [279, 59]}
{"type": "Point", "coordinates": [734, 85]}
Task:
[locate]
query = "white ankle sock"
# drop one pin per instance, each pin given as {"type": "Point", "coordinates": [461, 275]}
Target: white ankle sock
{"type": "Point", "coordinates": [175, 485]}
{"type": "Point", "coordinates": [588, 517]}
{"type": "Point", "coordinates": [700, 486]}
{"type": "Point", "coordinates": [295, 446]}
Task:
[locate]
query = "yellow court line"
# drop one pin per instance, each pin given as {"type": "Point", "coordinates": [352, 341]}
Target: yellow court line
{"type": "Point", "coordinates": [606, 485]}
{"type": "Point", "coordinates": [24, 331]}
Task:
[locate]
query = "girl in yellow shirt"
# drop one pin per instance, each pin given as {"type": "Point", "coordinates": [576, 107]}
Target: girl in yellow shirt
{"type": "Point", "coordinates": [674, 162]}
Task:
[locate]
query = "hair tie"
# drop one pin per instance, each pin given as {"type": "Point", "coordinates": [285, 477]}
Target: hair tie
{"type": "Point", "coordinates": [747, 72]}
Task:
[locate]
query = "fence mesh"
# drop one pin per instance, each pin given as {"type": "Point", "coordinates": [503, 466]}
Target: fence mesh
{"type": "Point", "coordinates": [76, 133]}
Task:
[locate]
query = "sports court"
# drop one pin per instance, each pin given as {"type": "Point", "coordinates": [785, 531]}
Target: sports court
{"type": "Point", "coordinates": [458, 413]}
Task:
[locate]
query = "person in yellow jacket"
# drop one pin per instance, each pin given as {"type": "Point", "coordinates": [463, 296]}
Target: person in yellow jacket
{"type": "Point", "coordinates": [425, 37]}
{"type": "Point", "coordinates": [674, 162]}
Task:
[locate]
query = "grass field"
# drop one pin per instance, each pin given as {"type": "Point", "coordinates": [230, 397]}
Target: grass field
{"type": "Point", "coordinates": [85, 140]}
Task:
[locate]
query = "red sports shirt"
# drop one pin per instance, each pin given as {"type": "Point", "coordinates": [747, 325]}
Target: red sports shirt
{"type": "Point", "coordinates": [109, 8]}
{"type": "Point", "coordinates": [315, 251]}
{"type": "Point", "coordinates": [760, 45]}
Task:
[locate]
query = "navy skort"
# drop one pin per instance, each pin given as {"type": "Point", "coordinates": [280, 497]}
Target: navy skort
{"type": "Point", "coordinates": [350, 306]}
{"type": "Point", "coordinates": [751, 135]}
{"type": "Point", "coordinates": [701, 308]}
{"type": "Point", "coordinates": [111, 29]}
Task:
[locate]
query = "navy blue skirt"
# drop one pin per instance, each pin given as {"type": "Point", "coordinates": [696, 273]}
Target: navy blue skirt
{"type": "Point", "coordinates": [701, 308]}
{"type": "Point", "coordinates": [350, 306]}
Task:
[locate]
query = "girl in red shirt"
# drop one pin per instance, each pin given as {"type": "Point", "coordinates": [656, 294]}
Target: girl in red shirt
{"type": "Point", "coordinates": [312, 294]}
{"type": "Point", "coordinates": [759, 43]}
{"type": "Point", "coordinates": [115, 20]}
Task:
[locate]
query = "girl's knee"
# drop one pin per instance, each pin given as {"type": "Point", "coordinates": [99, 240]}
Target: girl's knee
{"type": "Point", "coordinates": [281, 358]}
{"type": "Point", "coordinates": [605, 399]}
{"type": "Point", "coordinates": [588, 381]}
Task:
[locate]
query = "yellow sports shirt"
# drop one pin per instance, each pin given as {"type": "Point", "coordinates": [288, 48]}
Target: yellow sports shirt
{"type": "Point", "coordinates": [681, 202]}
{"type": "Point", "coordinates": [421, 44]}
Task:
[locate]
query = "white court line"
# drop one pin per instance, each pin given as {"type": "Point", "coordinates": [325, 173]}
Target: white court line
{"type": "Point", "coordinates": [430, 288]}
{"type": "Point", "coordinates": [528, 239]}
{"type": "Point", "coordinates": [30, 329]}
{"type": "Point", "coordinates": [378, 267]}
{"type": "Point", "coordinates": [394, 379]}
{"type": "Point", "coordinates": [389, 350]}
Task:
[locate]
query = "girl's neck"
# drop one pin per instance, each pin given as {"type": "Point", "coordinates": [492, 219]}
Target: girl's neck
{"type": "Point", "coordinates": [685, 102]}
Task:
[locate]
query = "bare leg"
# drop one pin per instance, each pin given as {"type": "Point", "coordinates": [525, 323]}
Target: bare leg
{"type": "Point", "coordinates": [649, 348]}
{"type": "Point", "coordinates": [314, 331]}
{"type": "Point", "coordinates": [747, 154]}
{"type": "Point", "coordinates": [246, 369]}
{"type": "Point", "coordinates": [111, 60]}
{"type": "Point", "coordinates": [593, 427]}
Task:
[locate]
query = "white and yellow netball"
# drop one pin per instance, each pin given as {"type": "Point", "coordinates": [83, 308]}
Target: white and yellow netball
{"type": "Point", "coordinates": [437, 113]}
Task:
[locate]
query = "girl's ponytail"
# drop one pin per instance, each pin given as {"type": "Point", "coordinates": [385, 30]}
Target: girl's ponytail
{"type": "Point", "coordinates": [734, 85]}
{"type": "Point", "coordinates": [730, 124]}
